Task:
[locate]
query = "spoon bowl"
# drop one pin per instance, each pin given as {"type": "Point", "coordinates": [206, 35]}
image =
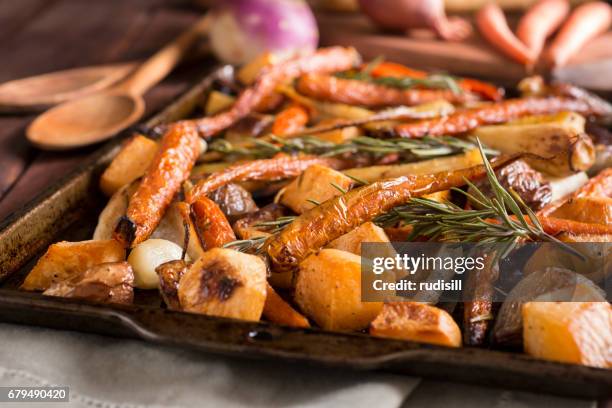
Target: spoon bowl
{"type": "Point", "coordinates": [85, 121]}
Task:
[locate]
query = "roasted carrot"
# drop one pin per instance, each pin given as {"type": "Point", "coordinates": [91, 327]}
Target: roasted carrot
{"type": "Point", "coordinates": [211, 224]}
{"type": "Point", "coordinates": [392, 69]}
{"type": "Point", "coordinates": [337, 216]}
{"type": "Point", "coordinates": [178, 151]}
{"type": "Point", "coordinates": [554, 226]}
{"type": "Point", "coordinates": [585, 23]}
{"type": "Point", "coordinates": [330, 59]}
{"type": "Point", "coordinates": [598, 186]}
{"type": "Point", "coordinates": [501, 112]}
{"type": "Point", "coordinates": [278, 311]}
{"type": "Point", "coordinates": [493, 26]}
{"type": "Point", "coordinates": [540, 21]}
{"type": "Point", "coordinates": [356, 92]}
{"type": "Point", "coordinates": [277, 168]}
{"type": "Point", "coordinates": [290, 120]}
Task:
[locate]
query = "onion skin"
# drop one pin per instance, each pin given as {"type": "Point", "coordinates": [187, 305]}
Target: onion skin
{"type": "Point", "coordinates": [408, 14]}
{"type": "Point", "coordinates": [243, 29]}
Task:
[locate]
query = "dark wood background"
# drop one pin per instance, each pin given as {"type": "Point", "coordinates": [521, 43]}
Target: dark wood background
{"type": "Point", "coordinates": [39, 36]}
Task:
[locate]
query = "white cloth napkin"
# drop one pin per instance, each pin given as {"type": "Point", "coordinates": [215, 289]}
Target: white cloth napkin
{"type": "Point", "coordinates": [106, 372]}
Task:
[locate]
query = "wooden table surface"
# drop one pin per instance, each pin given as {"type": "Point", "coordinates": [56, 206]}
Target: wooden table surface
{"type": "Point", "coordinates": [39, 36]}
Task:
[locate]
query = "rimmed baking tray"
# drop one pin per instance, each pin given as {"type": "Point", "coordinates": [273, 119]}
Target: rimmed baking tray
{"type": "Point", "coordinates": [69, 210]}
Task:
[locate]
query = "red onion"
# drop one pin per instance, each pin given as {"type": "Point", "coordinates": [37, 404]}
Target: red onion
{"type": "Point", "coordinates": [244, 29]}
{"type": "Point", "coordinates": [409, 14]}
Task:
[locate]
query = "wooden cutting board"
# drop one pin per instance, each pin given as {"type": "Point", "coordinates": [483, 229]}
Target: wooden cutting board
{"type": "Point", "coordinates": [592, 68]}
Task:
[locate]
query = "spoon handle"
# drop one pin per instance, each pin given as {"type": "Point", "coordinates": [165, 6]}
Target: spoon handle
{"type": "Point", "coordinates": [163, 61]}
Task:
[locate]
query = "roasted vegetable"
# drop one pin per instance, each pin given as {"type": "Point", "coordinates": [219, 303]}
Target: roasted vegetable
{"type": "Point", "coordinates": [291, 120]}
{"type": "Point", "coordinates": [177, 222]}
{"type": "Point", "coordinates": [170, 167]}
{"type": "Point", "coordinates": [130, 163]}
{"type": "Point", "coordinates": [225, 283]}
{"type": "Point", "coordinates": [570, 332]}
{"type": "Point", "coordinates": [315, 185]}
{"type": "Point", "coordinates": [115, 209]}
{"type": "Point", "coordinates": [147, 256]}
{"type": "Point", "coordinates": [596, 210]}
{"type": "Point", "coordinates": [335, 217]}
{"type": "Point", "coordinates": [556, 144]}
{"type": "Point", "coordinates": [416, 322]}
{"type": "Point", "coordinates": [523, 180]}
{"type": "Point", "coordinates": [170, 274]}
{"type": "Point", "coordinates": [278, 168]}
{"type": "Point", "coordinates": [478, 311]}
{"type": "Point", "coordinates": [469, 119]}
{"type": "Point", "coordinates": [325, 60]}
{"type": "Point", "coordinates": [234, 201]}
{"type": "Point", "coordinates": [278, 311]}
{"type": "Point", "coordinates": [211, 225]}
{"type": "Point", "coordinates": [366, 232]}
{"type": "Point", "coordinates": [106, 283]}
{"type": "Point", "coordinates": [375, 173]}
{"type": "Point", "coordinates": [67, 260]}
{"type": "Point", "coordinates": [328, 290]}
{"type": "Point", "coordinates": [217, 101]}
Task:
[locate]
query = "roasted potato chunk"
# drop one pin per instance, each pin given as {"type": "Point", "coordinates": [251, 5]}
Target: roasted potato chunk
{"type": "Point", "coordinates": [328, 290]}
{"type": "Point", "coordinates": [416, 322]}
{"type": "Point", "coordinates": [130, 164]}
{"type": "Point", "coordinates": [107, 283]}
{"type": "Point", "coordinates": [367, 232]}
{"type": "Point", "coordinates": [317, 183]}
{"type": "Point", "coordinates": [225, 283]}
{"type": "Point", "coordinates": [67, 260]}
{"type": "Point", "coordinates": [570, 332]}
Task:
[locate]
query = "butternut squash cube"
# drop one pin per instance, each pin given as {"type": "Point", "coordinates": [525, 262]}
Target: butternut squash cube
{"type": "Point", "coordinates": [418, 322]}
{"type": "Point", "coordinates": [570, 332]}
{"type": "Point", "coordinates": [328, 290]}
{"type": "Point", "coordinates": [317, 183]}
{"type": "Point", "coordinates": [225, 283]}
{"type": "Point", "coordinates": [129, 164]}
{"type": "Point", "coordinates": [68, 260]}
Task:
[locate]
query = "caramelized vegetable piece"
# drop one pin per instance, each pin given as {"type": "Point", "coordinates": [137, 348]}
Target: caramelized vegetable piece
{"type": "Point", "coordinates": [278, 311]}
{"type": "Point", "coordinates": [366, 232]}
{"type": "Point", "coordinates": [330, 59]}
{"type": "Point", "coordinates": [177, 222]}
{"type": "Point", "coordinates": [315, 185]}
{"type": "Point", "coordinates": [554, 226]}
{"type": "Point", "coordinates": [217, 102]}
{"type": "Point", "coordinates": [570, 332]}
{"type": "Point", "coordinates": [130, 163]}
{"type": "Point", "coordinates": [556, 143]}
{"type": "Point", "coordinates": [356, 92]}
{"type": "Point", "coordinates": [114, 210]}
{"type": "Point", "coordinates": [328, 290]}
{"type": "Point", "coordinates": [392, 69]}
{"type": "Point", "coordinates": [234, 200]}
{"type": "Point", "coordinates": [416, 322]}
{"type": "Point", "coordinates": [478, 313]}
{"type": "Point", "coordinates": [598, 186]}
{"type": "Point", "coordinates": [225, 283]}
{"type": "Point", "coordinates": [290, 120]}
{"type": "Point", "coordinates": [597, 210]}
{"type": "Point", "coordinates": [170, 274]}
{"type": "Point", "coordinates": [333, 218]}
{"type": "Point", "coordinates": [247, 226]}
{"type": "Point", "coordinates": [277, 168]}
{"type": "Point", "coordinates": [66, 260]}
{"type": "Point", "coordinates": [171, 166]}
{"type": "Point", "coordinates": [107, 283]}
{"type": "Point", "coordinates": [212, 226]}
{"type": "Point", "coordinates": [500, 112]}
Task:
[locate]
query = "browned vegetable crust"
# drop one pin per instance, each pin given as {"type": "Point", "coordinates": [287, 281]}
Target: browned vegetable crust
{"type": "Point", "coordinates": [213, 228]}
{"type": "Point", "coordinates": [355, 92]}
{"type": "Point", "coordinates": [335, 217]}
{"type": "Point", "coordinates": [170, 274]}
{"type": "Point", "coordinates": [500, 112]}
{"type": "Point", "coordinates": [478, 313]}
{"type": "Point", "coordinates": [324, 60]}
{"type": "Point", "coordinates": [108, 282]}
{"type": "Point", "coordinates": [277, 168]}
{"type": "Point", "coordinates": [171, 166]}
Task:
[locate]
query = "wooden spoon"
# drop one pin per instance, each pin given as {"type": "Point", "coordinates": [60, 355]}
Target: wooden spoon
{"type": "Point", "coordinates": [97, 117]}
{"type": "Point", "coordinates": [40, 92]}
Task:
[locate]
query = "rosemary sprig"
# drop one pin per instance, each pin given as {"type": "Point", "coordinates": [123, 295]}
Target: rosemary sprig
{"type": "Point", "coordinates": [415, 149]}
{"type": "Point", "coordinates": [256, 244]}
{"type": "Point", "coordinates": [502, 218]}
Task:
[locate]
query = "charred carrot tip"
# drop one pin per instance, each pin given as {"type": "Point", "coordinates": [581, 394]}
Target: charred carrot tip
{"type": "Point", "coordinates": [125, 231]}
